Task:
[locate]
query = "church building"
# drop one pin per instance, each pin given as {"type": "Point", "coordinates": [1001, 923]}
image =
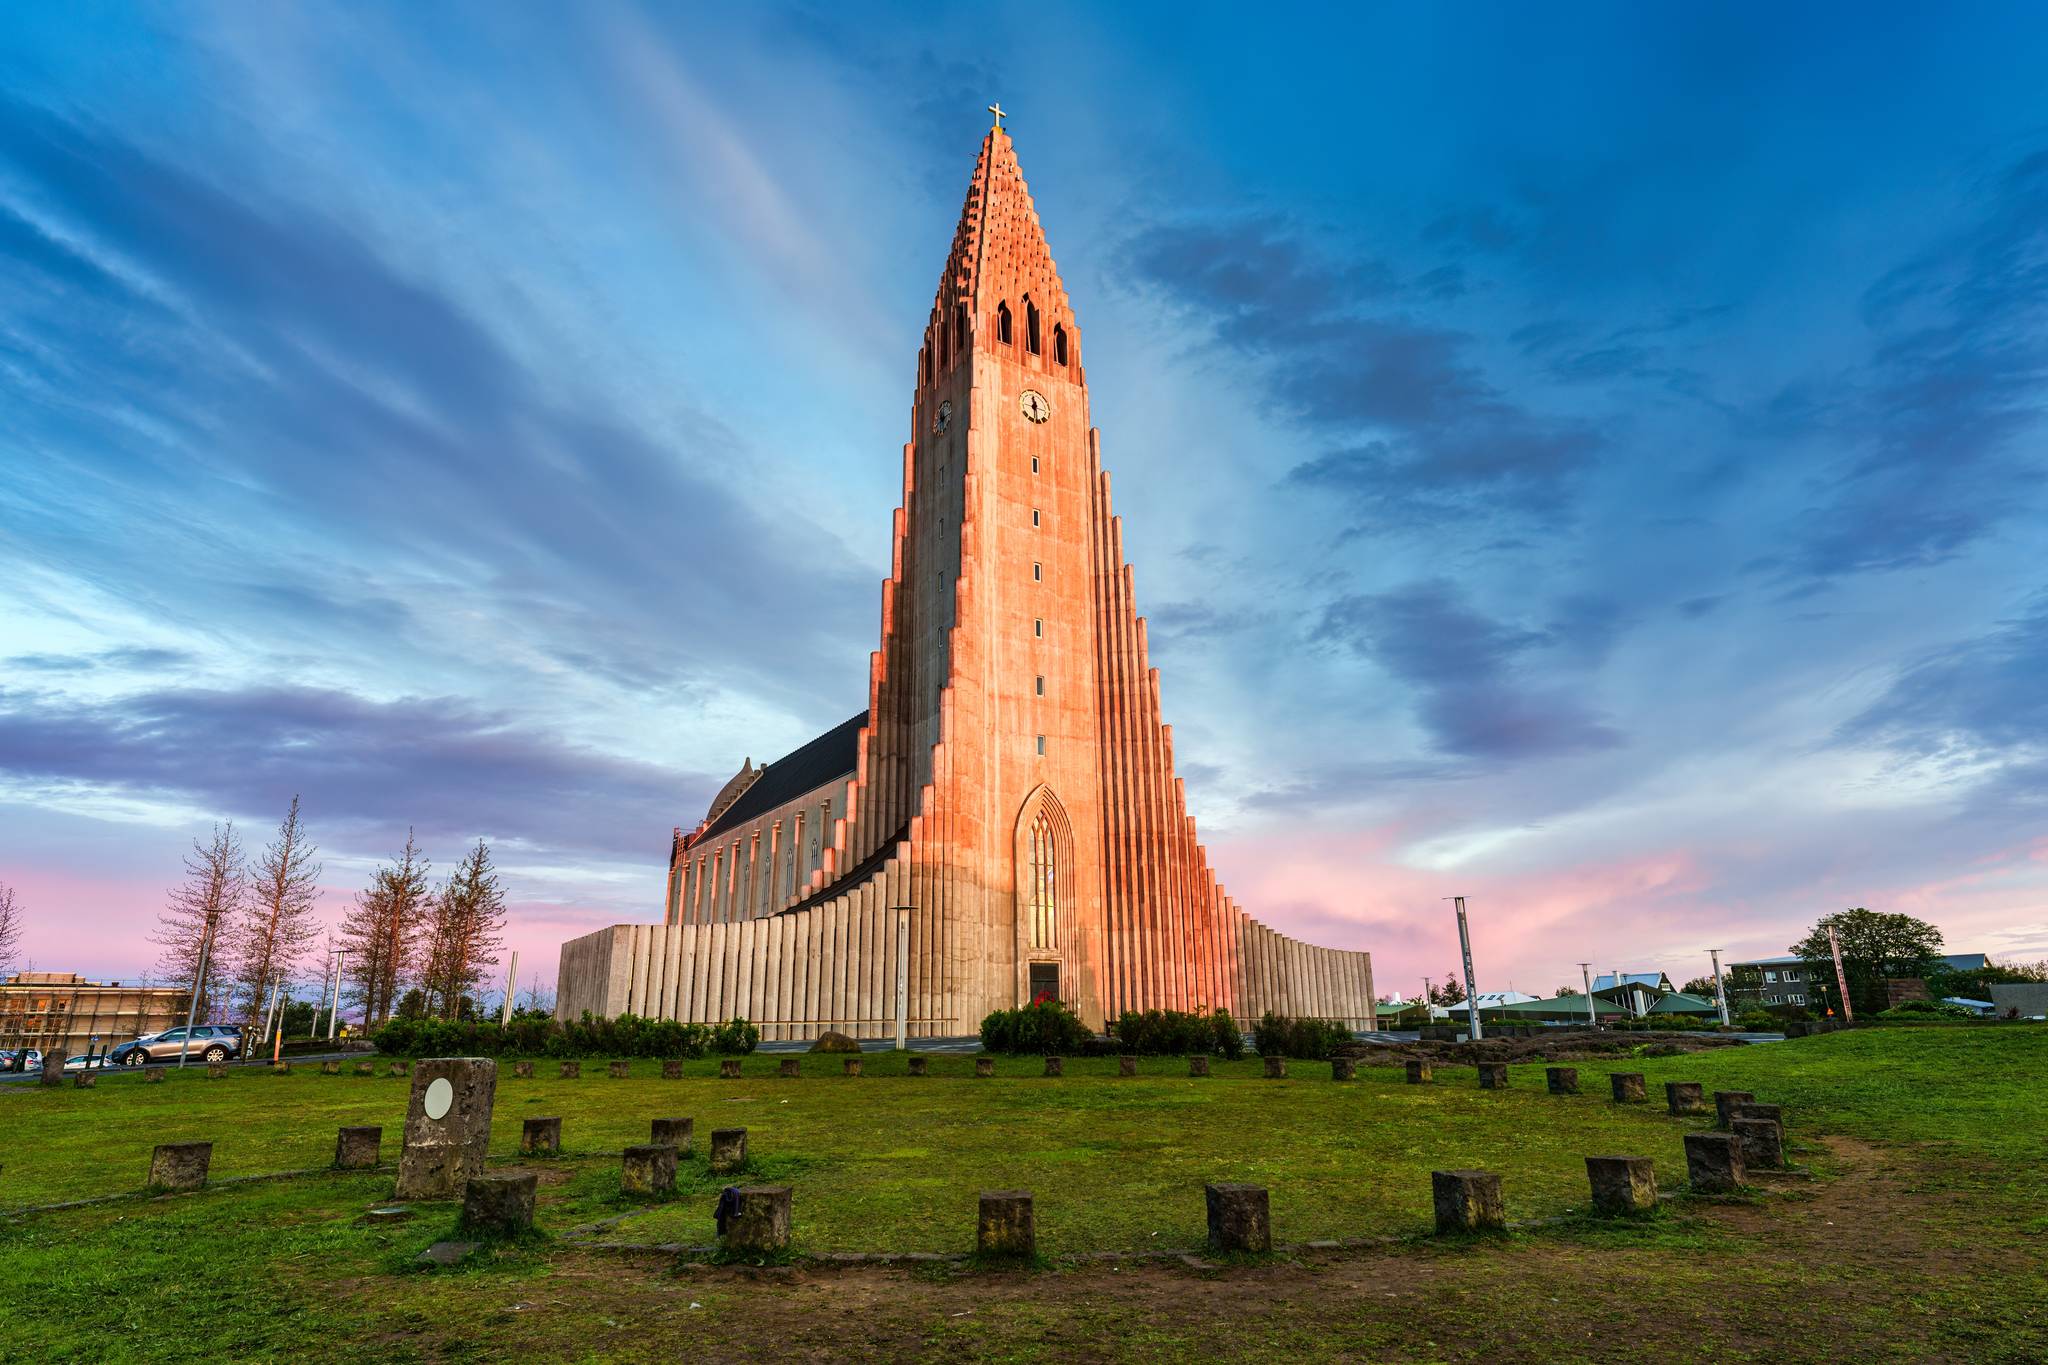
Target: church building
{"type": "Point", "coordinates": [1002, 820]}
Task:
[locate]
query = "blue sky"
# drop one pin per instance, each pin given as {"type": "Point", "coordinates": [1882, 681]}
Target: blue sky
{"type": "Point", "coordinates": [1591, 462]}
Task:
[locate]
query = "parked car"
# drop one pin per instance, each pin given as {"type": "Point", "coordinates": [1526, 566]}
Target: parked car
{"type": "Point", "coordinates": [208, 1043]}
{"type": "Point", "coordinates": [21, 1059]}
{"type": "Point", "coordinates": [84, 1063]}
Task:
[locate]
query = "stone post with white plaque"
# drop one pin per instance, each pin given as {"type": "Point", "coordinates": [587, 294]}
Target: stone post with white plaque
{"type": "Point", "coordinates": [447, 1126]}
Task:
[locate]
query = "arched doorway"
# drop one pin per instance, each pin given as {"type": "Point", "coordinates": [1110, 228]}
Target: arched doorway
{"type": "Point", "coordinates": [1044, 881]}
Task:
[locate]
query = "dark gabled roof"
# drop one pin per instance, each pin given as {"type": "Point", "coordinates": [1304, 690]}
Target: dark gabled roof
{"type": "Point", "coordinates": [832, 754]}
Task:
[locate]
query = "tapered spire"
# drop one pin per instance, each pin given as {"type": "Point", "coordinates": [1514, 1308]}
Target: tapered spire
{"type": "Point", "coordinates": [1000, 259]}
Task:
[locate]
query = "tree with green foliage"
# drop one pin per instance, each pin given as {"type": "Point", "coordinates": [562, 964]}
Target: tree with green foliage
{"type": "Point", "coordinates": [464, 934]}
{"type": "Point", "coordinates": [1875, 947]}
{"type": "Point", "coordinates": [381, 932]}
{"type": "Point", "coordinates": [1452, 992]}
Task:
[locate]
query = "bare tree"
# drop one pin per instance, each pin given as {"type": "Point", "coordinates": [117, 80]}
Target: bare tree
{"type": "Point", "coordinates": [381, 932]}
{"type": "Point", "coordinates": [278, 925]}
{"type": "Point", "coordinates": [465, 931]}
{"type": "Point", "coordinates": [199, 918]}
{"type": "Point", "coordinates": [10, 928]}
{"type": "Point", "coordinates": [536, 998]}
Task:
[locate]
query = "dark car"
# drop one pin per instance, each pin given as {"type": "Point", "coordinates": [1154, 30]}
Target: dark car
{"type": "Point", "coordinates": [208, 1043]}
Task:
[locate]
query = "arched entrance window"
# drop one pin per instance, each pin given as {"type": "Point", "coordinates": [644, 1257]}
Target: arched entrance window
{"type": "Point", "coordinates": [1044, 893]}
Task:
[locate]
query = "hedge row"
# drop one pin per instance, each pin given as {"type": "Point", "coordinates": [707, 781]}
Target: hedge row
{"type": "Point", "coordinates": [628, 1035]}
{"type": "Point", "coordinates": [1277, 1035]}
{"type": "Point", "coordinates": [1172, 1033]}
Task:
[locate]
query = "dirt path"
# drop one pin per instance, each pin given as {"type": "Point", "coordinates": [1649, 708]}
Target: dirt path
{"type": "Point", "coordinates": [1885, 1261]}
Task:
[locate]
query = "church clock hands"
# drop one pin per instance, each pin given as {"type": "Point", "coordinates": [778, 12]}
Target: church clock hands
{"type": "Point", "coordinates": [1033, 405]}
{"type": "Point", "coordinates": [944, 418]}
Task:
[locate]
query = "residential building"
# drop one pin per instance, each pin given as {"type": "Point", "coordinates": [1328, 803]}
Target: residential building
{"type": "Point", "coordinates": [1788, 980]}
{"type": "Point", "coordinates": [63, 1013]}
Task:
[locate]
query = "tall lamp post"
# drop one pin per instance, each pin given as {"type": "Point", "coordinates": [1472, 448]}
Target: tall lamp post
{"type": "Point", "coordinates": [1471, 985]}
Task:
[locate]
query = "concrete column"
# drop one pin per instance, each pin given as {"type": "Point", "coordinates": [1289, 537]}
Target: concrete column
{"type": "Point", "coordinates": [499, 1204]}
{"type": "Point", "coordinates": [1725, 1103]}
{"type": "Point", "coordinates": [540, 1137]}
{"type": "Point", "coordinates": [1421, 1073]}
{"type": "Point", "coordinates": [1629, 1087]}
{"type": "Point", "coordinates": [648, 1171]}
{"type": "Point", "coordinates": [358, 1148]}
{"type": "Point", "coordinates": [762, 1224]}
{"type": "Point", "coordinates": [1683, 1097]}
{"type": "Point", "coordinates": [1713, 1163]}
{"type": "Point", "coordinates": [1493, 1075]}
{"type": "Point", "coordinates": [728, 1150]}
{"type": "Point", "coordinates": [1004, 1225]}
{"type": "Point", "coordinates": [1240, 1218]}
{"type": "Point", "coordinates": [676, 1133]}
{"type": "Point", "coordinates": [447, 1126]}
{"type": "Point", "coordinates": [1762, 1142]}
{"type": "Point", "coordinates": [1561, 1080]}
{"type": "Point", "coordinates": [1622, 1185]}
{"type": "Point", "coordinates": [1467, 1201]}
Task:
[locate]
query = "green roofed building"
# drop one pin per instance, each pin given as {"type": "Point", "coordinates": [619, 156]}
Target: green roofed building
{"type": "Point", "coordinates": [1565, 1009]}
{"type": "Point", "coordinates": [1678, 1002]}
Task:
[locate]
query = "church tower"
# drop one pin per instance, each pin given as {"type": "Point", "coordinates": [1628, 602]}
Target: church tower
{"type": "Point", "coordinates": [1003, 821]}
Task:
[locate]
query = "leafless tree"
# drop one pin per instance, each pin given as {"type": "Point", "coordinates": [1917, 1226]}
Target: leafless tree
{"type": "Point", "coordinates": [382, 929]}
{"type": "Point", "coordinates": [535, 997]}
{"type": "Point", "coordinates": [10, 928]}
{"type": "Point", "coordinates": [204, 913]}
{"type": "Point", "coordinates": [464, 934]}
{"type": "Point", "coordinates": [278, 924]}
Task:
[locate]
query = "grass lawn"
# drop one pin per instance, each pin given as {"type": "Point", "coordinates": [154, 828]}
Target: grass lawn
{"type": "Point", "coordinates": [1930, 1138]}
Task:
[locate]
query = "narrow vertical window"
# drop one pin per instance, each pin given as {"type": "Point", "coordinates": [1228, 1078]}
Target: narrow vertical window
{"type": "Point", "coordinates": [1034, 516]}
{"type": "Point", "coordinates": [1038, 629]}
{"type": "Point", "coordinates": [1038, 685]}
{"type": "Point", "coordinates": [1030, 326]}
{"type": "Point", "coordinates": [1041, 746]}
{"type": "Point", "coordinates": [1036, 575]}
{"type": "Point", "coordinates": [959, 328]}
{"type": "Point", "coordinates": [1059, 344]}
{"type": "Point", "coordinates": [1034, 464]}
{"type": "Point", "coordinates": [1003, 323]}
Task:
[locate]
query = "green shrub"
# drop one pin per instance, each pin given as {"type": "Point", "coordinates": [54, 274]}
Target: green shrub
{"type": "Point", "coordinates": [1911, 1010]}
{"type": "Point", "coordinates": [1309, 1039]}
{"type": "Point", "coordinates": [1226, 1035]}
{"type": "Point", "coordinates": [1043, 1027]}
{"type": "Point", "coordinates": [538, 1035]}
{"type": "Point", "coordinates": [1757, 1021]}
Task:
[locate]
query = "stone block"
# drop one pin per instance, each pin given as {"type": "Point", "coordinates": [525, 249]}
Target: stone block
{"type": "Point", "coordinates": [499, 1204]}
{"type": "Point", "coordinates": [1467, 1201]}
{"type": "Point", "coordinates": [1561, 1080]}
{"type": "Point", "coordinates": [680, 1134]}
{"type": "Point", "coordinates": [540, 1137]}
{"type": "Point", "coordinates": [1343, 1068]}
{"type": "Point", "coordinates": [1055, 1066]}
{"type": "Point", "coordinates": [728, 1150]}
{"type": "Point", "coordinates": [1005, 1226]}
{"type": "Point", "coordinates": [1622, 1185]}
{"type": "Point", "coordinates": [84, 1080]}
{"type": "Point", "coordinates": [791, 1067]}
{"type": "Point", "coordinates": [648, 1170]}
{"type": "Point", "coordinates": [523, 1070]}
{"type": "Point", "coordinates": [218, 1071]}
{"type": "Point", "coordinates": [1683, 1097]}
{"type": "Point", "coordinates": [1725, 1102]}
{"type": "Point", "coordinates": [51, 1075]}
{"type": "Point", "coordinates": [671, 1068]}
{"type": "Point", "coordinates": [831, 1040]}
{"type": "Point", "coordinates": [445, 1253]}
{"type": "Point", "coordinates": [729, 1068]}
{"type": "Point", "coordinates": [1126, 1066]}
{"type": "Point", "coordinates": [179, 1165]}
{"type": "Point", "coordinates": [1629, 1087]}
{"type": "Point", "coordinates": [447, 1126]}
{"type": "Point", "coordinates": [1753, 1110]}
{"type": "Point", "coordinates": [920, 1065]}
{"type": "Point", "coordinates": [154, 1075]}
{"type": "Point", "coordinates": [366, 1068]}
{"type": "Point", "coordinates": [984, 1066]}
{"type": "Point", "coordinates": [572, 1071]}
{"type": "Point", "coordinates": [1276, 1068]}
{"type": "Point", "coordinates": [1198, 1066]}
{"type": "Point", "coordinates": [1493, 1075]}
{"type": "Point", "coordinates": [1419, 1073]}
{"type": "Point", "coordinates": [1713, 1162]}
{"type": "Point", "coordinates": [621, 1070]}
{"type": "Point", "coordinates": [358, 1148]}
{"type": "Point", "coordinates": [761, 1226]}
{"type": "Point", "coordinates": [1762, 1141]}
{"type": "Point", "coordinates": [852, 1065]}
{"type": "Point", "coordinates": [401, 1068]}
{"type": "Point", "coordinates": [331, 1066]}
{"type": "Point", "coordinates": [1240, 1217]}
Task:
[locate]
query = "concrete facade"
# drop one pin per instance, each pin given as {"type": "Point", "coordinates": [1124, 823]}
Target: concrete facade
{"type": "Point", "coordinates": [1007, 802]}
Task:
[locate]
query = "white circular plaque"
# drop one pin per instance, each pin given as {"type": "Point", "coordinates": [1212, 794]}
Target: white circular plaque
{"type": "Point", "coordinates": [440, 1097]}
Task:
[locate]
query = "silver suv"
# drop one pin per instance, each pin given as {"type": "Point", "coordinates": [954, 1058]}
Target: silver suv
{"type": "Point", "coordinates": [209, 1043]}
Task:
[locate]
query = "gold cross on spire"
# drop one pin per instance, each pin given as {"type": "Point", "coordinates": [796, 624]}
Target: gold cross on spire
{"type": "Point", "coordinates": [997, 110]}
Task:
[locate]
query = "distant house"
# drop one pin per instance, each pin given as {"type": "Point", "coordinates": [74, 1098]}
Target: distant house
{"type": "Point", "coordinates": [1787, 981]}
{"type": "Point", "coordinates": [1565, 1009]}
{"type": "Point", "coordinates": [2027, 999]}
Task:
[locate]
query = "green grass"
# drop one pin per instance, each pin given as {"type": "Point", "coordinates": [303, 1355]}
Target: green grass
{"type": "Point", "coordinates": [890, 1162]}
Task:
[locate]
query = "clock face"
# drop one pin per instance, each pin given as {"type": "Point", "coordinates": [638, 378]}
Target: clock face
{"type": "Point", "coordinates": [1033, 405]}
{"type": "Point", "coordinates": [944, 417]}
